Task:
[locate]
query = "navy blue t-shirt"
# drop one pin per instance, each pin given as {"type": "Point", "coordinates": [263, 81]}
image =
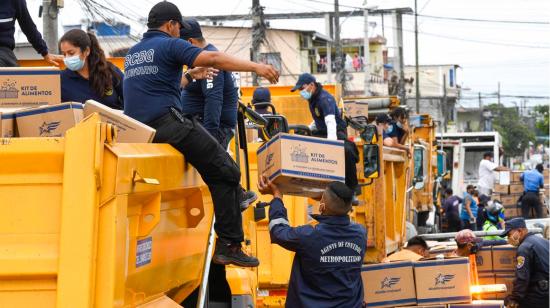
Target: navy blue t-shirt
{"type": "Point", "coordinates": [153, 70]}
{"type": "Point", "coordinates": [322, 104]}
{"type": "Point", "coordinates": [396, 131]}
{"type": "Point", "coordinates": [214, 100]}
{"type": "Point", "coordinates": [75, 88]}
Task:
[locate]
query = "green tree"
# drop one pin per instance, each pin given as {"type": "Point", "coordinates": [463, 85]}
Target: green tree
{"type": "Point", "coordinates": [543, 124]}
{"type": "Point", "coordinates": [515, 134]}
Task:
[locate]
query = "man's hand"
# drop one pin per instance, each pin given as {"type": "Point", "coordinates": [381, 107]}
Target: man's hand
{"type": "Point", "coordinates": [265, 186]}
{"type": "Point", "coordinates": [55, 60]}
{"type": "Point", "coordinates": [198, 73]}
{"type": "Point", "coordinates": [268, 72]}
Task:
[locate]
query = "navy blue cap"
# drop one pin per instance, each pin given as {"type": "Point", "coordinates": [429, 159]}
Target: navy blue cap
{"type": "Point", "coordinates": [261, 95]}
{"type": "Point", "coordinates": [383, 118]}
{"type": "Point", "coordinates": [165, 11]}
{"type": "Point", "coordinates": [305, 78]}
{"type": "Point", "coordinates": [194, 30]}
{"type": "Point", "coordinates": [514, 223]}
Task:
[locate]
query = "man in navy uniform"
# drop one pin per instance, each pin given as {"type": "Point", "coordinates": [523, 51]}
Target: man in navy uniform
{"type": "Point", "coordinates": [328, 122]}
{"type": "Point", "coordinates": [153, 77]}
{"type": "Point", "coordinates": [531, 284]}
{"type": "Point", "coordinates": [326, 271]}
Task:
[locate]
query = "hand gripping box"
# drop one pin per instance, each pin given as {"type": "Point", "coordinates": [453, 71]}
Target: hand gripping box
{"type": "Point", "coordinates": [29, 86]}
{"type": "Point", "coordinates": [48, 121]}
{"type": "Point", "coordinates": [442, 281]}
{"type": "Point", "coordinates": [389, 284]}
{"type": "Point", "coordinates": [302, 166]}
{"type": "Point", "coordinates": [128, 130]}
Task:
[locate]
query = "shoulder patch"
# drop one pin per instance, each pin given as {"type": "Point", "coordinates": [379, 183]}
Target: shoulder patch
{"type": "Point", "coordinates": [317, 113]}
{"type": "Point", "coordinates": [521, 262]}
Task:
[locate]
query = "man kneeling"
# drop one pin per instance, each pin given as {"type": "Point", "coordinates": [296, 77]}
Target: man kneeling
{"type": "Point", "coordinates": [326, 271]}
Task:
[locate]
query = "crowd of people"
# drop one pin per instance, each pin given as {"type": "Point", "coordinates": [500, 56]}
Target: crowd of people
{"type": "Point", "coordinates": [195, 111]}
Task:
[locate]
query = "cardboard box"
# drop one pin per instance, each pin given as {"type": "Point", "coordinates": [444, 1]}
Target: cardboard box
{"type": "Point", "coordinates": [506, 279]}
{"type": "Point", "coordinates": [516, 188]}
{"type": "Point", "coordinates": [504, 259]}
{"type": "Point", "coordinates": [447, 252]}
{"type": "Point", "coordinates": [485, 279]}
{"type": "Point", "coordinates": [48, 121]}
{"type": "Point", "coordinates": [7, 124]}
{"type": "Point", "coordinates": [128, 129]}
{"type": "Point", "coordinates": [389, 284]}
{"type": "Point", "coordinates": [442, 281]}
{"type": "Point", "coordinates": [29, 86]}
{"type": "Point", "coordinates": [484, 260]}
{"type": "Point", "coordinates": [302, 166]}
{"type": "Point", "coordinates": [501, 189]}
{"type": "Point", "coordinates": [356, 109]}
{"type": "Point", "coordinates": [516, 176]}
{"type": "Point", "coordinates": [509, 200]}
{"type": "Point", "coordinates": [428, 306]}
{"type": "Point", "coordinates": [510, 212]}
{"type": "Point", "coordinates": [504, 177]}
{"type": "Point", "coordinates": [546, 173]}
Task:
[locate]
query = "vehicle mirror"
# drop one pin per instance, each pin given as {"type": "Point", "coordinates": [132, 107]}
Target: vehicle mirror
{"type": "Point", "coordinates": [275, 124]}
{"type": "Point", "coordinates": [253, 116]}
{"type": "Point", "coordinates": [371, 161]}
{"type": "Point", "coordinates": [418, 183]}
{"type": "Point", "coordinates": [370, 134]}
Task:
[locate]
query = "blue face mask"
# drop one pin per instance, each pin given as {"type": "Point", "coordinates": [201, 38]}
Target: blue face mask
{"type": "Point", "coordinates": [399, 124]}
{"type": "Point", "coordinates": [74, 63]}
{"type": "Point", "coordinates": [305, 94]}
{"type": "Point", "coordinates": [389, 129]}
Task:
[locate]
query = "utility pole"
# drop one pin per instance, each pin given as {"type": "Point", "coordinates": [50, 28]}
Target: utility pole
{"type": "Point", "coordinates": [258, 35]}
{"type": "Point", "coordinates": [444, 102]}
{"type": "Point", "coordinates": [328, 28]}
{"type": "Point", "coordinates": [340, 77]}
{"type": "Point", "coordinates": [417, 78]}
{"type": "Point", "coordinates": [398, 35]}
{"type": "Point", "coordinates": [366, 51]}
{"type": "Point", "coordinates": [50, 10]}
{"type": "Point", "coordinates": [481, 118]}
{"type": "Point", "coordinates": [498, 93]}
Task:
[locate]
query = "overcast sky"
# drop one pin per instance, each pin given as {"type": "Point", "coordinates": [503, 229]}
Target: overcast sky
{"type": "Point", "coordinates": [517, 55]}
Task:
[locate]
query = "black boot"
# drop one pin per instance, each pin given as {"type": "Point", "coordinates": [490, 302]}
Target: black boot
{"type": "Point", "coordinates": [231, 253]}
{"type": "Point", "coordinates": [247, 198]}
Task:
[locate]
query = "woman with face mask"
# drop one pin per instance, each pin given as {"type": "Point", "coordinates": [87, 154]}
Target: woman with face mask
{"type": "Point", "coordinates": [88, 74]}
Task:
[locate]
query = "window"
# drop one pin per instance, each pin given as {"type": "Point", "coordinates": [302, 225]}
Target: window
{"type": "Point", "coordinates": [273, 58]}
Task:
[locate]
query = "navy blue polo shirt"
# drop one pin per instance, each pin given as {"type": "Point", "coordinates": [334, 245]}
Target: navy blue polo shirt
{"type": "Point", "coordinates": [396, 131]}
{"type": "Point", "coordinates": [214, 100]}
{"type": "Point", "coordinates": [322, 104]}
{"type": "Point", "coordinates": [153, 70]}
{"type": "Point", "coordinates": [75, 88]}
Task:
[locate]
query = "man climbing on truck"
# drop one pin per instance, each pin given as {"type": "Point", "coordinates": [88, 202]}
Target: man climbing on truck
{"type": "Point", "coordinates": [153, 75]}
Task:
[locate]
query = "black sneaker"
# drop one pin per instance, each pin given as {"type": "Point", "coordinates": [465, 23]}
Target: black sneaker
{"type": "Point", "coordinates": [232, 254]}
{"type": "Point", "coordinates": [248, 197]}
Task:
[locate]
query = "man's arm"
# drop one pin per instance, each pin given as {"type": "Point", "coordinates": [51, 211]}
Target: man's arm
{"type": "Point", "coordinates": [226, 62]}
{"type": "Point", "coordinates": [501, 168]}
{"type": "Point", "coordinates": [468, 208]}
{"type": "Point", "coordinates": [521, 283]}
{"type": "Point", "coordinates": [280, 230]}
{"type": "Point", "coordinates": [392, 142]}
{"type": "Point", "coordinates": [330, 122]}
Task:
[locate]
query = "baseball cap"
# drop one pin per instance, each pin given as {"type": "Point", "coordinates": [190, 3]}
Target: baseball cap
{"type": "Point", "coordinates": [261, 95]}
{"type": "Point", "coordinates": [194, 30]}
{"type": "Point", "coordinates": [471, 187]}
{"type": "Point", "coordinates": [304, 78]}
{"type": "Point", "coordinates": [383, 118]}
{"type": "Point", "coordinates": [467, 236]}
{"type": "Point", "coordinates": [165, 11]}
{"type": "Point", "coordinates": [514, 223]}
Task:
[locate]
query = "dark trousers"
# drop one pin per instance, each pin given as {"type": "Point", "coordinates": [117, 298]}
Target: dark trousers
{"type": "Point", "coordinates": [453, 225]}
{"type": "Point", "coordinates": [531, 200]}
{"type": "Point", "coordinates": [467, 225]}
{"type": "Point", "coordinates": [224, 136]}
{"type": "Point", "coordinates": [216, 167]}
{"type": "Point", "coordinates": [7, 58]}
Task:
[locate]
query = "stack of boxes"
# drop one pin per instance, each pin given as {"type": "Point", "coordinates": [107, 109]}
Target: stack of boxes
{"type": "Point", "coordinates": [30, 106]}
{"type": "Point", "coordinates": [443, 283]}
{"type": "Point", "coordinates": [510, 194]}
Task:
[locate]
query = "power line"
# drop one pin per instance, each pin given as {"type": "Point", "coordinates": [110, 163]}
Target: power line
{"type": "Point", "coordinates": [487, 20]}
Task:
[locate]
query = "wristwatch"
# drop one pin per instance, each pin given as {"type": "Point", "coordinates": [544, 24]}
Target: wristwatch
{"type": "Point", "coordinates": [188, 77]}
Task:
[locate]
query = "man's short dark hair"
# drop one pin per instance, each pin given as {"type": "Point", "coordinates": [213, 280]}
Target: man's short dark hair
{"type": "Point", "coordinates": [399, 112]}
{"type": "Point", "coordinates": [417, 241]}
{"type": "Point", "coordinates": [340, 197]}
{"type": "Point", "coordinates": [449, 191]}
{"type": "Point", "coordinates": [540, 168]}
{"type": "Point", "coordinates": [487, 154]}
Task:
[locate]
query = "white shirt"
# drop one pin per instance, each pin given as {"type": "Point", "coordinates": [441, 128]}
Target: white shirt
{"type": "Point", "coordinates": [486, 174]}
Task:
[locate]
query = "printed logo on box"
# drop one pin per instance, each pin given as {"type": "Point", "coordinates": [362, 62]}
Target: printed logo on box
{"type": "Point", "coordinates": [269, 159]}
{"type": "Point", "coordinates": [299, 154]}
{"type": "Point", "coordinates": [143, 251]}
{"type": "Point", "coordinates": [9, 89]}
{"type": "Point", "coordinates": [479, 260]}
{"type": "Point", "coordinates": [505, 260]}
{"type": "Point", "coordinates": [48, 127]}
{"type": "Point", "coordinates": [389, 282]}
{"type": "Point", "coordinates": [442, 280]}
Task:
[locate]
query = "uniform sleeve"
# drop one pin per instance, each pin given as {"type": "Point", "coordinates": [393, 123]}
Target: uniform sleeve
{"type": "Point", "coordinates": [281, 232]}
{"type": "Point", "coordinates": [523, 273]}
{"type": "Point", "coordinates": [119, 88]}
{"type": "Point", "coordinates": [213, 102]}
{"type": "Point", "coordinates": [29, 28]}
{"type": "Point", "coordinates": [183, 52]}
{"type": "Point", "coordinates": [328, 106]}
